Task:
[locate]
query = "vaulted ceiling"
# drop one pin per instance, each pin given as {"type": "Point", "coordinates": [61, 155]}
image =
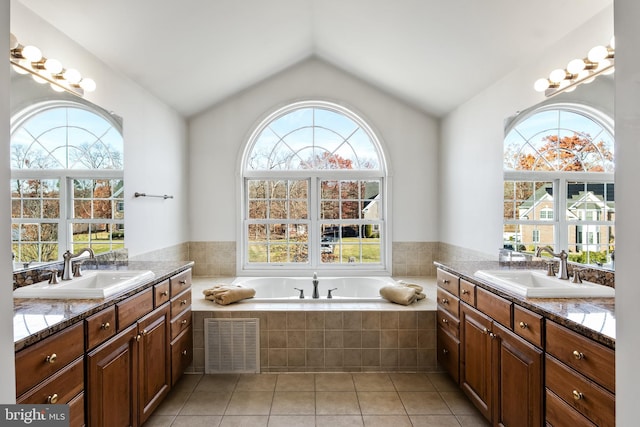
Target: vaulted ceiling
{"type": "Point", "coordinates": [434, 54]}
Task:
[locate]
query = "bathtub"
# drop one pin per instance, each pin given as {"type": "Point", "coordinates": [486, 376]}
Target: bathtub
{"type": "Point", "coordinates": [347, 289]}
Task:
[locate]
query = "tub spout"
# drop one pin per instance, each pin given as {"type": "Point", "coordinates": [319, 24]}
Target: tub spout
{"type": "Point", "coordinates": [315, 282]}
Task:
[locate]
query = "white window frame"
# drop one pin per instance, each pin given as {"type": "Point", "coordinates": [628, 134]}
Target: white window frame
{"type": "Point", "coordinates": [244, 268]}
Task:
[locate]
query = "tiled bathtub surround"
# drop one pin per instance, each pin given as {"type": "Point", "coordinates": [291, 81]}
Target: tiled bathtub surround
{"type": "Point", "coordinates": [325, 341]}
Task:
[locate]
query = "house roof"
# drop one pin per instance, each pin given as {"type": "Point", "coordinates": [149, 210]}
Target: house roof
{"type": "Point", "coordinates": [432, 54]}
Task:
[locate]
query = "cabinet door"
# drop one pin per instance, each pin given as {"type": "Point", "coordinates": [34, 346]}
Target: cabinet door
{"type": "Point", "coordinates": [519, 381]}
{"type": "Point", "coordinates": [154, 363]}
{"type": "Point", "coordinates": [476, 361]}
{"type": "Point", "coordinates": [111, 379]}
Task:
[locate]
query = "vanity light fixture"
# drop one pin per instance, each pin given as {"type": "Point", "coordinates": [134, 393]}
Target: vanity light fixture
{"type": "Point", "coordinates": [599, 60]}
{"type": "Point", "coordinates": [29, 59]}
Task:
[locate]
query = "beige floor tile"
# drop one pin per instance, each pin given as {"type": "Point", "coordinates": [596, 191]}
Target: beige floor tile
{"type": "Point", "coordinates": [380, 403]}
{"type": "Point", "coordinates": [291, 420]}
{"type": "Point", "coordinates": [217, 382]}
{"type": "Point", "coordinates": [250, 403]}
{"type": "Point", "coordinates": [434, 421]}
{"type": "Point", "coordinates": [442, 381]}
{"type": "Point", "coordinates": [459, 403]}
{"type": "Point", "coordinates": [257, 382]}
{"type": "Point", "coordinates": [334, 382]}
{"type": "Point", "coordinates": [296, 382]}
{"type": "Point", "coordinates": [339, 421]}
{"type": "Point", "coordinates": [206, 403]}
{"type": "Point", "coordinates": [337, 403]}
{"type": "Point", "coordinates": [173, 403]}
{"type": "Point", "coordinates": [386, 420]}
{"type": "Point", "coordinates": [373, 382]}
{"type": "Point", "coordinates": [160, 421]}
{"type": "Point", "coordinates": [187, 383]}
{"type": "Point", "coordinates": [473, 421]}
{"type": "Point", "coordinates": [244, 421]}
{"type": "Point", "coordinates": [196, 421]}
{"type": "Point", "coordinates": [412, 382]}
{"type": "Point", "coordinates": [294, 403]}
{"type": "Point", "coordinates": [424, 402]}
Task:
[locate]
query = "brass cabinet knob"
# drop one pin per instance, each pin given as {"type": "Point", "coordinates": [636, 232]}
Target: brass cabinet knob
{"type": "Point", "coordinates": [105, 326]}
{"type": "Point", "coordinates": [145, 332]}
{"type": "Point", "coordinates": [445, 281]}
{"type": "Point", "coordinates": [445, 351]}
{"type": "Point", "coordinates": [138, 337]}
{"type": "Point", "coordinates": [184, 352]}
{"type": "Point", "coordinates": [577, 395]}
{"type": "Point", "coordinates": [53, 398]}
{"type": "Point", "coordinates": [51, 358]}
{"type": "Point", "coordinates": [164, 293]}
{"type": "Point", "coordinates": [445, 321]}
{"type": "Point", "coordinates": [492, 335]}
{"type": "Point", "coordinates": [445, 301]}
{"type": "Point", "coordinates": [183, 302]}
{"type": "Point", "coordinates": [523, 325]}
{"type": "Point", "coordinates": [464, 292]}
{"type": "Point", "coordinates": [485, 331]}
{"type": "Point", "coordinates": [183, 282]}
{"type": "Point", "coordinates": [578, 355]}
{"type": "Point", "coordinates": [184, 321]}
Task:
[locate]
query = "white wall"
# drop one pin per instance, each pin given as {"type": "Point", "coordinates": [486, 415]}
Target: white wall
{"type": "Point", "coordinates": [7, 361]}
{"type": "Point", "coordinates": [471, 143]}
{"type": "Point", "coordinates": [155, 138]}
{"type": "Point", "coordinates": [218, 136]}
{"type": "Point", "coordinates": [627, 15]}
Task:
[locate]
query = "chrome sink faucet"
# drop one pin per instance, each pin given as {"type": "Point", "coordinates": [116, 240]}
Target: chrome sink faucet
{"type": "Point", "coordinates": [315, 282]}
{"type": "Point", "coordinates": [563, 273]}
{"type": "Point", "coordinates": [68, 256]}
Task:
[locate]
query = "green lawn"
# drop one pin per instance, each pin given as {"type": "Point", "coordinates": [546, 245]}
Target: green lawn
{"type": "Point", "coordinates": [342, 251]}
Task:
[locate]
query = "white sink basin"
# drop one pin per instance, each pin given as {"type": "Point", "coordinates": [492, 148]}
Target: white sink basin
{"type": "Point", "coordinates": [536, 284]}
{"type": "Point", "coordinates": [92, 284]}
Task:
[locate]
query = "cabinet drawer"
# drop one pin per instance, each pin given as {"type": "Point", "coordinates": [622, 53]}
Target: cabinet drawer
{"type": "Point", "coordinates": [449, 323]}
{"type": "Point", "coordinates": [468, 292]}
{"type": "Point", "coordinates": [61, 387]}
{"type": "Point", "coordinates": [180, 282]}
{"type": "Point", "coordinates": [180, 303]}
{"type": "Point", "coordinates": [448, 281]}
{"type": "Point", "coordinates": [588, 398]}
{"type": "Point", "coordinates": [449, 354]}
{"type": "Point", "coordinates": [180, 323]}
{"type": "Point", "coordinates": [559, 414]}
{"type": "Point", "coordinates": [100, 326]}
{"type": "Point", "coordinates": [161, 293]}
{"type": "Point", "coordinates": [76, 411]}
{"type": "Point", "coordinates": [498, 308]}
{"type": "Point", "coordinates": [528, 325]}
{"type": "Point", "coordinates": [448, 302]}
{"type": "Point", "coordinates": [588, 357]}
{"type": "Point", "coordinates": [181, 354]}
{"type": "Point", "coordinates": [131, 309]}
{"type": "Point", "coordinates": [39, 361]}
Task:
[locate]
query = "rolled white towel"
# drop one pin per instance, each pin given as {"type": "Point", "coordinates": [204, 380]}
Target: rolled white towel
{"type": "Point", "coordinates": [225, 294]}
{"type": "Point", "coordinates": [399, 294]}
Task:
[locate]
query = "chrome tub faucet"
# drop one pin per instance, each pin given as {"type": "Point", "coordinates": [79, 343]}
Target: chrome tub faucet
{"type": "Point", "coordinates": [315, 282]}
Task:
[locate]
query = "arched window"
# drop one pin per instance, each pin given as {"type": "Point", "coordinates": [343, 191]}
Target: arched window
{"type": "Point", "coordinates": [314, 192]}
{"type": "Point", "coordinates": [559, 183]}
{"type": "Point", "coordinates": [66, 181]}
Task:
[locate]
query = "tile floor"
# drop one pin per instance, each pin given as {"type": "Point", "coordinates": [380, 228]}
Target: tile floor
{"type": "Point", "coordinates": [307, 399]}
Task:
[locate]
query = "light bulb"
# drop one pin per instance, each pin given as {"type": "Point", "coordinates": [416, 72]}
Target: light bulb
{"type": "Point", "coordinates": [56, 88]}
{"type": "Point", "coordinates": [13, 41]}
{"type": "Point", "coordinates": [31, 53]}
{"type": "Point", "coordinates": [557, 75]}
{"type": "Point", "coordinates": [598, 53]}
{"type": "Point", "coordinates": [20, 70]}
{"type": "Point", "coordinates": [53, 66]}
{"type": "Point", "coordinates": [88, 85]}
{"type": "Point", "coordinates": [72, 76]}
{"type": "Point", "coordinates": [541, 85]}
{"type": "Point", "coordinates": [39, 79]}
{"type": "Point", "coordinates": [575, 66]}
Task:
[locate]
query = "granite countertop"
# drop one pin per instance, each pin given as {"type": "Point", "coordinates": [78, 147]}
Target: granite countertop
{"type": "Point", "coordinates": [35, 319]}
{"type": "Point", "coordinates": [592, 317]}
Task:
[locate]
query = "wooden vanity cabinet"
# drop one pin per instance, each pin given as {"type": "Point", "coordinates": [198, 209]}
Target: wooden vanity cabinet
{"type": "Point", "coordinates": [580, 375]}
{"type": "Point", "coordinates": [181, 346]}
{"type": "Point", "coordinates": [448, 342]}
{"type": "Point", "coordinates": [52, 372]}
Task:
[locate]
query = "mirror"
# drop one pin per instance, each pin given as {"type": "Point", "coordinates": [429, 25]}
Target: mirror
{"type": "Point", "coordinates": [586, 210]}
{"type": "Point", "coordinates": [25, 92]}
